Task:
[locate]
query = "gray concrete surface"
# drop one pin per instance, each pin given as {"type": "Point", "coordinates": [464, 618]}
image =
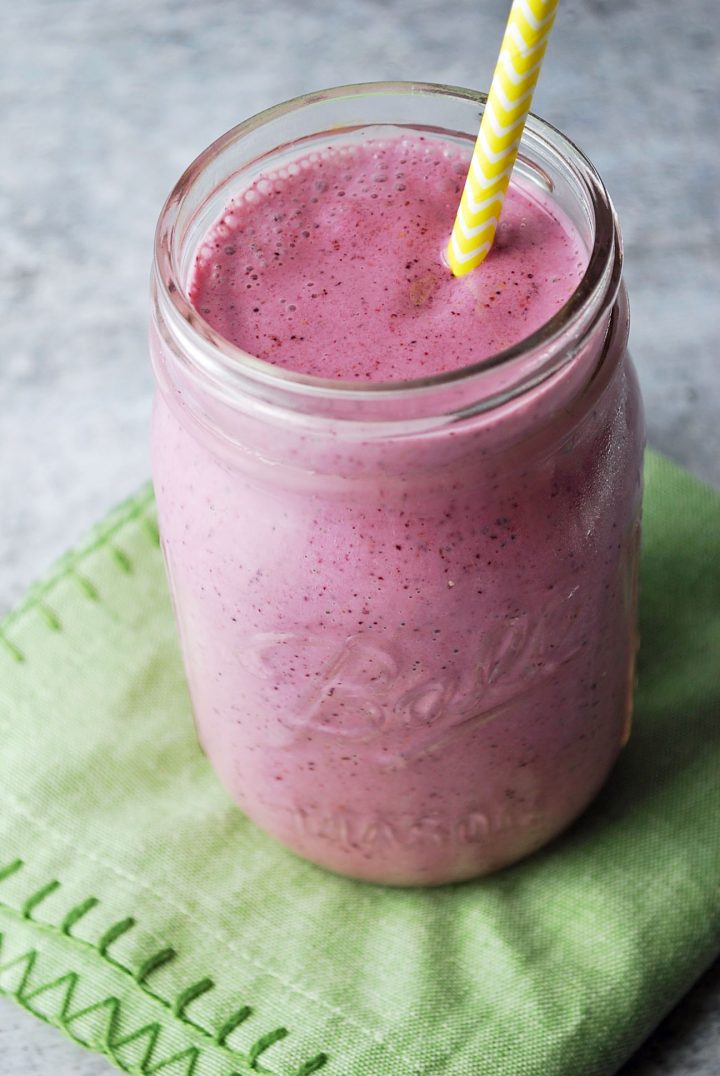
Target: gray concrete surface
{"type": "Point", "coordinates": [102, 106]}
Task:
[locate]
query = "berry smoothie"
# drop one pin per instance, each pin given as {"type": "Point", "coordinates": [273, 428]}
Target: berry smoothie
{"type": "Point", "coordinates": [409, 660]}
{"type": "Point", "coordinates": [336, 269]}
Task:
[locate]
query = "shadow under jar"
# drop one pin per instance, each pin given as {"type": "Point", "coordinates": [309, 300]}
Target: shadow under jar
{"type": "Point", "coordinates": [388, 712]}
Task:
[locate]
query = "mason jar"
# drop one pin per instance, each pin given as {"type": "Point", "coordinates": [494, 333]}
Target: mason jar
{"type": "Point", "coordinates": [407, 609]}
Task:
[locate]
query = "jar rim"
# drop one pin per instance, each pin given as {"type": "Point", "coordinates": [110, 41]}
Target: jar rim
{"type": "Point", "coordinates": [232, 366]}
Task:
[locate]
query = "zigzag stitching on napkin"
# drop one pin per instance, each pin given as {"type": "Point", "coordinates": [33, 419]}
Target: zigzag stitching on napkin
{"type": "Point", "coordinates": [111, 1040]}
{"type": "Point", "coordinates": [58, 839]}
{"type": "Point", "coordinates": [67, 567]}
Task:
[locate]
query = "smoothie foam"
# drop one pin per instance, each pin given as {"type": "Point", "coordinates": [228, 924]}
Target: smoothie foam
{"type": "Point", "coordinates": [335, 267]}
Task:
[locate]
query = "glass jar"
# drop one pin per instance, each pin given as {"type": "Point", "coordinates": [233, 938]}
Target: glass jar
{"type": "Point", "coordinates": [406, 609]}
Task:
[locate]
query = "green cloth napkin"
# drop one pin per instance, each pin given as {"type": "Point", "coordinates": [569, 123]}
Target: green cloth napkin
{"type": "Point", "coordinates": [142, 914]}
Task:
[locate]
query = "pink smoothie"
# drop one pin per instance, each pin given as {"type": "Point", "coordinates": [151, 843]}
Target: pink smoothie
{"type": "Point", "coordinates": [338, 269]}
{"type": "Point", "coordinates": [409, 661]}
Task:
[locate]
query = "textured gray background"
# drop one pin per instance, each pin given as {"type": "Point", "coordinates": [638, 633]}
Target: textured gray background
{"type": "Point", "coordinates": [102, 106]}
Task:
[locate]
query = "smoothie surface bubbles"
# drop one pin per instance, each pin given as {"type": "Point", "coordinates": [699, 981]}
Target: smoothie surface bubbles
{"type": "Point", "coordinates": [334, 265]}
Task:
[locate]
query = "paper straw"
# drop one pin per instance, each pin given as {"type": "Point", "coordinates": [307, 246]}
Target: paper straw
{"type": "Point", "coordinates": [518, 66]}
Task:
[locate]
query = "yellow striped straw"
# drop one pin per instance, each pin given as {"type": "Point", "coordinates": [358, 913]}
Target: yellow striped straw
{"type": "Point", "coordinates": [518, 66]}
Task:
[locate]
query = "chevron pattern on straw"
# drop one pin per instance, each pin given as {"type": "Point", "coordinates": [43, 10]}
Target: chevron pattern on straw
{"type": "Point", "coordinates": [508, 104]}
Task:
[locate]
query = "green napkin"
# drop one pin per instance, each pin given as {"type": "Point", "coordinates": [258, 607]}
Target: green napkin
{"type": "Point", "coordinates": [142, 914]}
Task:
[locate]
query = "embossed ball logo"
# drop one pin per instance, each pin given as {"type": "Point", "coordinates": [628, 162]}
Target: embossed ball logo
{"type": "Point", "coordinates": [363, 688]}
